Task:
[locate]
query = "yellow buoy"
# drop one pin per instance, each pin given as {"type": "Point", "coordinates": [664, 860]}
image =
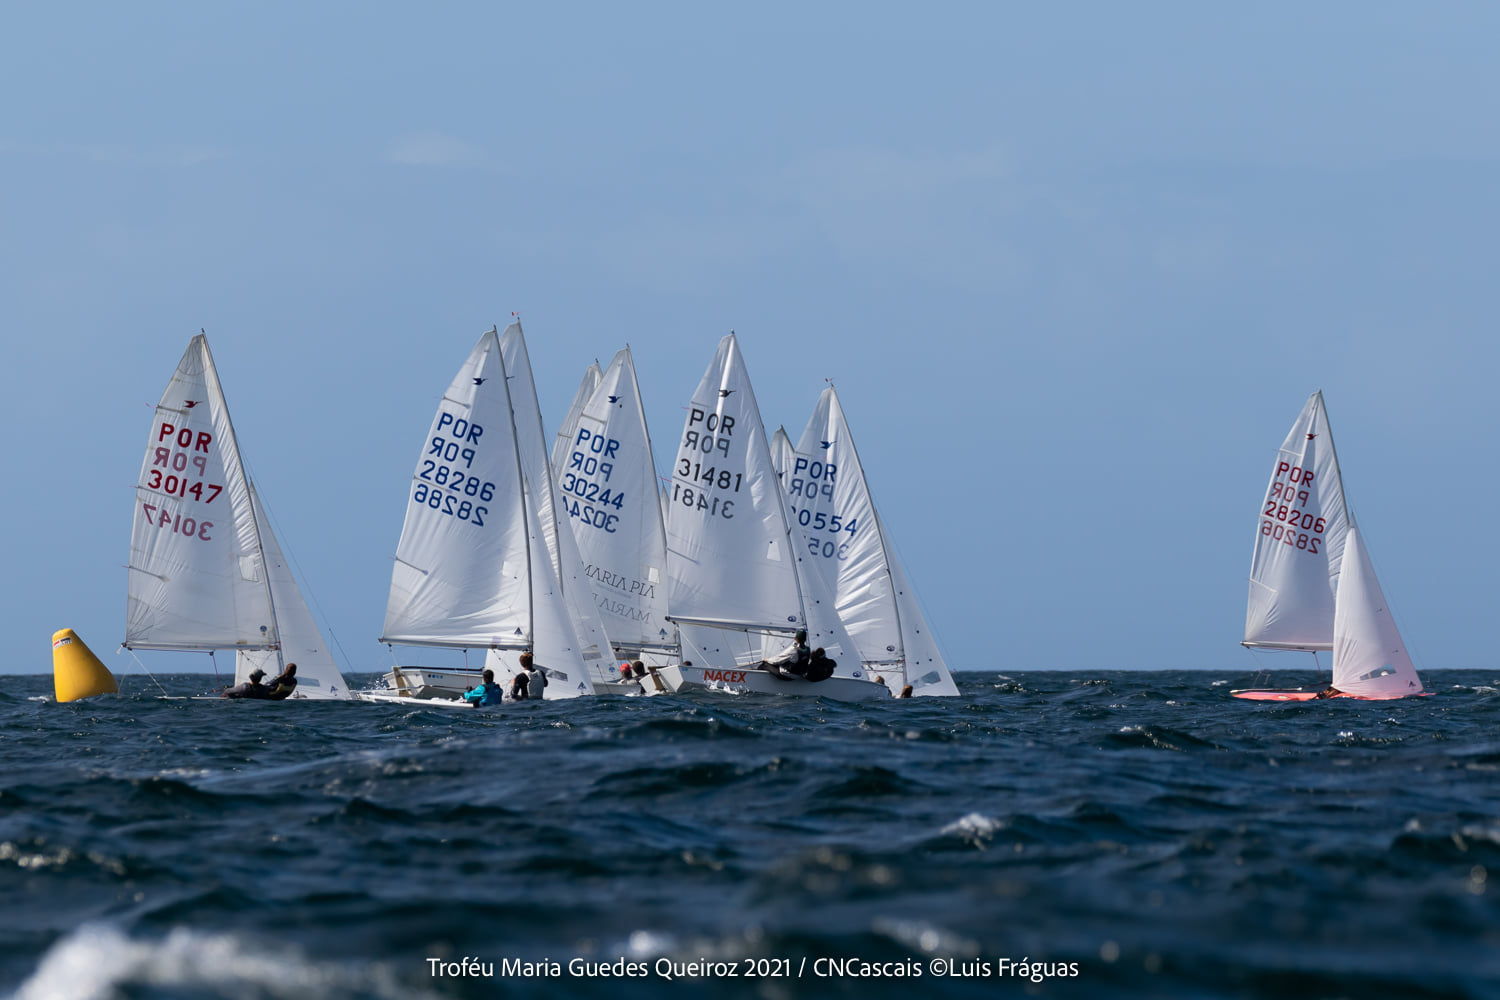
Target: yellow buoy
{"type": "Point", "coordinates": [76, 671]}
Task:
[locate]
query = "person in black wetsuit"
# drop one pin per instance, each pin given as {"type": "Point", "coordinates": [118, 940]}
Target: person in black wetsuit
{"type": "Point", "coordinates": [283, 686]}
{"type": "Point", "coordinates": [252, 688]}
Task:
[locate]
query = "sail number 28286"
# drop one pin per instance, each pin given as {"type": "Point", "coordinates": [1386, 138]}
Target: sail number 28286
{"type": "Point", "coordinates": [451, 504]}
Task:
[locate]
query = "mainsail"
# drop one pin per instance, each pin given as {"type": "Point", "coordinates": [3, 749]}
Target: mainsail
{"type": "Point", "coordinates": [1299, 540]}
{"type": "Point", "coordinates": [1369, 658]}
{"type": "Point", "coordinates": [729, 563]}
{"type": "Point", "coordinates": [206, 572]}
{"type": "Point", "coordinates": [461, 577]}
{"type": "Point", "coordinates": [608, 481]}
{"type": "Point", "coordinates": [831, 503]}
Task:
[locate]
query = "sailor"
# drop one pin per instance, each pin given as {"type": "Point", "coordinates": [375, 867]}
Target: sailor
{"type": "Point", "coordinates": [1329, 692]}
{"type": "Point", "coordinates": [529, 684]}
{"type": "Point", "coordinates": [820, 666]}
{"type": "Point", "coordinates": [283, 686]}
{"type": "Point", "coordinates": [791, 661]}
{"type": "Point", "coordinates": [252, 688]}
{"type": "Point", "coordinates": [487, 693]}
{"type": "Point", "coordinates": [536, 681]}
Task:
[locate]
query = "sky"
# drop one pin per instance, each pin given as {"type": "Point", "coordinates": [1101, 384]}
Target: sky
{"type": "Point", "coordinates": [1074, 268]}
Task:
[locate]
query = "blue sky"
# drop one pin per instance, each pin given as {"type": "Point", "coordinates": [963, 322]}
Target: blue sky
{"type": "Point", "coordinates": [1074, 268]}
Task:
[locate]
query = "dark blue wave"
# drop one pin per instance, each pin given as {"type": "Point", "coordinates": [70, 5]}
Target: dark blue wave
{"type": "Point", "coordinates": [1158, 835]}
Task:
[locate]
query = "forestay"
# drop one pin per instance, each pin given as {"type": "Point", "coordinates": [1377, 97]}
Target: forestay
{"type": "Point", "coordinates": [197, 575]}
{"type": "Point", "coordinates": [1299, 540]}
{"type": "Point", "coordinates": [728, 558]}
{"type": "Point", "coordinates": [461, 576]}
{"type": "Point", "coordinates": [1369, 658]}
{"type": "Point", "coordinates": [565, 564]}
{"type": "Point", "coordinates": [608, 481]}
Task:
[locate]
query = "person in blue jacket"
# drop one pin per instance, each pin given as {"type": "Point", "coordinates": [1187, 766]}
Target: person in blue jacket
{"type": "Point", "coordinates": [488, 693]}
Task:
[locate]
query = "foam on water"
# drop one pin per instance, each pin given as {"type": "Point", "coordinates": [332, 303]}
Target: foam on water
{"type": "Point", "coordinates": [98, 962]}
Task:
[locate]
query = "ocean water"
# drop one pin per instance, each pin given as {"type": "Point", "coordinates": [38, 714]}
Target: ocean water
{"type": "Point", "coordinates": [1121, 834]}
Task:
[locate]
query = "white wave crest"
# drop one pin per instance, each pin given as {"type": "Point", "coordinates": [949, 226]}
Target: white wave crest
{"type": "Point", "coordinates": [96, 961]}
{"type": "Point", "coordinates": [975, 826]}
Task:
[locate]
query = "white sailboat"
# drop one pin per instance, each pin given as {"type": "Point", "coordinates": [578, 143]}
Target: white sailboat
{"type": "Point", "coordinates": [608, 481]}
{"type": "Point", "coordinates": [206, 571]}
{"type": "Point", "coordinates": [472, 570]}
{"type": "Point", "coordinates": [830, 501]}
{"type": "Point", "coordinates": [1311, 584]}
{"type": "Point", "coordinates": [733, 555]}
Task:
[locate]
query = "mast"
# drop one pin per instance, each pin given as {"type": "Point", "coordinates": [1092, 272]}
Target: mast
{"type": "Point", "coordinates": [525, 499]}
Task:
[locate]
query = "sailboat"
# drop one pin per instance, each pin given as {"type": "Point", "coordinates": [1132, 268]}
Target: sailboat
{"type": "Point", "coordinates": [734, 557]}
{"type": "Point", "coordinates": [472, 569]}
{"type": "Point", "coordinates": [206, 572]}
{"type": "Point", "coordinates": [830, 500]}
{"type": "Point", "coordinates": [608, 480]}
{"type": "Point", "coordinates": [1312, 586]}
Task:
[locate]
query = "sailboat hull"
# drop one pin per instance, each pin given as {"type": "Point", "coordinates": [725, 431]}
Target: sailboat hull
{"type": "Point", "coordinates": [742, 680]}
{"type": "Point", "coordinates": [1297, 694]}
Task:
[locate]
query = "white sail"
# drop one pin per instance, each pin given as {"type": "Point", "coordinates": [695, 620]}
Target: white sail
{"type": "Point", "coordinates": [1369, 658]}
{"type": "Point", "coordinates": [1299, 540]}
{"type": "Point", "coordinates": [926, 671]}
{"type": "Point", "coordinates": [197, 575]}
{"type": "Point", "coordinates": [562, 546]}
{"type": "Point", "coordinates": [729, 563]}
{"type": "Point", "coordinates": [831, 503]}
{"type": "Point", "coordinates": [825, 630]}
{"type": "Point", "coordinates": [564, 440]}
{"type": "Point", "coordinates": [461, 576]}
{"type": "Point", "coordinates": [607, 477]}
{"type": "Point", "coordinates": [301, 641]}
{"type": "Point", "coordinates": [783, 455]}
{"type": "Point", "coordinates": [556, 646]}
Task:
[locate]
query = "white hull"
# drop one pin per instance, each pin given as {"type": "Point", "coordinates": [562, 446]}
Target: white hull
{"type": "Point", "coordinates": [445, 683]}
{"type": "Point", "coordinates": [742, 680]}
{"type": "Point", "coordinates": [393, 698]}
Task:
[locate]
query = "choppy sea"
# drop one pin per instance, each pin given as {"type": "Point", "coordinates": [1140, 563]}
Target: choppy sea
{"type": "Point", "coordinates": [1120, 834]}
